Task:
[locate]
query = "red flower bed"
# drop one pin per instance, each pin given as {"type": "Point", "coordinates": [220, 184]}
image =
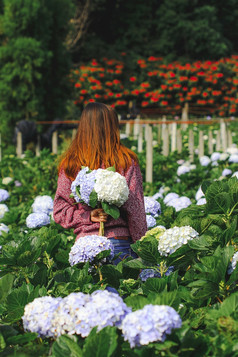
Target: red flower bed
{"type": "Point", "coordinates": [212, 85]}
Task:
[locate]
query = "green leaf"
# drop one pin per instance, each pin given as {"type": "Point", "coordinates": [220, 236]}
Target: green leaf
{"type": "Point", "coordinates": [220, 203]}
{"type": "Point", "coordinates": [5, 286]}
{"type": "Point", "coordinates": [205, 185]}
{"type": "Point", "coordinates": [20, 339]}
{"type": "Point", "coordinates": [66, 345]}
{"type": "Point", "coordinates": [147, 249]}
{"type": "Point", "coordinates": [112, 168]}
{"type": "Point", "coordinates": [229, 305]}
{"type": "Point", "coordinates": [111, 275]}
{"type": "Point", "coordinates": [137, 264]}
{"type": "Point", "coordinates": [93, 199]}
{"type": "Point", "coordinates": [170, 298]}
{"type": "Point", "coordinates": [136, 302]}
{"type": "Point", "coordinates": [112, 210]}
{"type": "Point", "coordinates": [102, 343]}
{"type": "Point", "coordinates": [154, 285]}
{"type": "Point", "coordinates": [2, 342]}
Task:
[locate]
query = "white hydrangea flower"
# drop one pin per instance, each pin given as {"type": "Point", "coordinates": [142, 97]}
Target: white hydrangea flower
{"type": "Point", "coordinates": [199, 194]}
{"type": "Point", "coordinates": [233, 158]}
{"type": "Point", "coordinates": [170, 196]}
{"type": "Point", "coordinates": [183, 169]}
{"type": "Point", "coordinates": [180, 203]}
{"type": "Point", "coordinates": [3, 210]}
{"type": "Point", "coordinates": [232, 150]}
{"type": "Point", "coordinates": [174, 238]}
{"type": "Point", "coordinates": [6, 180]}
{"type": "Point", "coordinates": [43, 204]}
{"type": "Point", "coordinates": [205, 160]}
{"type": "Point", "coordinates": [224, 156]}
{"type": "Point", "coordinates": [111, 187]}
{"type": "Point", "coordinates": [233, 263]}
{"type": "Point", "coordinates": [226, 172]}
{"type": "Point", "coordinates": [235, 174]}
{"type": "Point", "coordinates": [215, 156]}
{"type": "Point", "coordinates": [201, 201]}
{"type": "Point", "coordinates": [3, 228]}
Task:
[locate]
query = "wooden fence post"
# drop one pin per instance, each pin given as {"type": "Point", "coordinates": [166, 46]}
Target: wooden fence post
{"type": "Point", "coordinates": [74, 132]}
{"type": "Point", "coordinates": [184, 116]}
{"type": "Point", "coordinates": [159, 133]}
{"type": "Point", "coordinates": [165, 150]}
{"type": "Point", "coordinates": [173, 136]}
{"type": "Point", "coordinates": [210, 143]}
{"type": "Point", "coordinates": [38, 145]}
{"type": "Point", "coordinates": [191, 145]}
{"type": "Point", "coordinates": [223, 135]}
{"type": "Point", "coordinates": [19, 144]}
{"type": "Point", "coordinates": [149, 154]}
{"type": "Point", "coordinates": [128, 129]}
{"type": "Point", "coordinates": [179, 141]}
{"type": "Point", "coordinates": [218, 141]}
{"type": "Point", "coordinates": [140, 139]}
{"type": "Point", "coordinates": [136, 128]}
{"type": "Point", "coordinates": [55, 142]}
{"type": "Point", "coordinates": [200, 144]}
{"type": "Point", "coordinates": [229, 138]}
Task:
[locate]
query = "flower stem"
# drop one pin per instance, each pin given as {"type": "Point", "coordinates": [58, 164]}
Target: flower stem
{"type": "Point", "coordinates": [101, 229]}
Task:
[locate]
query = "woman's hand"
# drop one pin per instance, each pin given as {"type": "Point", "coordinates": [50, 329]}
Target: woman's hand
{"type": "Point", "coordinates": [98, 215]}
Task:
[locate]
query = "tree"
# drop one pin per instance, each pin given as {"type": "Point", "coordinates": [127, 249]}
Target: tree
{"type": "Point", "coordinates": [34, 61]}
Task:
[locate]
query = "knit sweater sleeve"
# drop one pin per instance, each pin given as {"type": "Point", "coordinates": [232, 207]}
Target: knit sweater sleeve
{"type": "Point", "coordinates": [66, 212]}
{"type": "Point", "coordinates": [134, 206]}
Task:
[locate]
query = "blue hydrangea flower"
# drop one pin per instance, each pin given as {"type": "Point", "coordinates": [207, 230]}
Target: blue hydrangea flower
{"type": "Point", "coordinates": [170, 196]}
{"type": "Point", "coordinates": [4, 195]}
{"type": "Point", "coordinates": [3, 210]}
{"type": "Point", "coordinates": [77, 182]}
{"type": "Point", "coordinates": [38, 315]}
{"type": "Point", "coordinates": [150, 324]}
{"type": "Point", "coordinates": [43, 204]}
{"type": "Point", "coordinates": [35, 220]}
{"type": "Point", "coordinates": [103, 309]}
{"type": "Point", "coordinates": [152, 206]}
{"type": "Point", "coordinates": [87, 186]}
{"type": "Point", "coordinates": [65, 319]}
{"type": "Point", "coordinates": [226, 172]}
{"type": "Point", "coordinates": [3, 228]}
{"type": "Point", "coordinates": [153, 273]}
{"type": "Point", "coordinates": [150, 220]}
{"type": "Point", "coordinates": [201, 201]}
{"type": "Point", "coordinates": [180, 203]}
{"type": "Point", "coordinates": [86, 248]}
{"type": "Point", "coordinates": [233, 158]}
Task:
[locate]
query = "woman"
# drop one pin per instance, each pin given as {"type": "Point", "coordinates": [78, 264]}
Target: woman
{"type": "Point", "coordinates": [97, 144]}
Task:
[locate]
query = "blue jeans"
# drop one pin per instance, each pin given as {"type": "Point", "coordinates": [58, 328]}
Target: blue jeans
{"type": "Point", "coordinates": [124, 247]}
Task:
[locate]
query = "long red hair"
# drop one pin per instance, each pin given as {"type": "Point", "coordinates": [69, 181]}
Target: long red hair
{"type": "Point", "coordinates": [97, 142]}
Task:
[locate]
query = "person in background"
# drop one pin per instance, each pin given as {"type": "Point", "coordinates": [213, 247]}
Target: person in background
{"type": "Point", "coordinates": [97, 145]}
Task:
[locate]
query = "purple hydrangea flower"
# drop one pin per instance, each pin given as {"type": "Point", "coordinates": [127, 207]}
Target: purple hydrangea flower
{"type": "Point", "coordinates": [103, 309]}
{"type": "Point", "coordinates": [154, 273]}
{"type": "Point", "coordinates": [86, 248]}
{"type": "Point", "coordinates": [150, 324]}
{"type": "Point", "coordinates": [205, 160]}
{"type": "Point", "coordinates": [215, 156]}
{"type": "Point", "coordinates": [17, 183]}
{"type": "Point", "coordinates": [39, 219]}
{"type": "Point", "coordinates": [150, 220]}
{"type": "Point", "coordinates": [180, 203]}
{"type": "Point", "coordinates": [38, 315]}
{"type": "Point", "coordinates": [77, 182]}
{"type": "Point", "coordinates": [152, 206]}
{"type": "Point", "coordinates": [4, 195]}
{"type": "Point", "coordinates": [43, 204]}
{"type": "Point", "coordinates": [226, 172]}
{"type": "Point", "coordinates": [87, 186]}
{"type": "Point", "coordinates": [170, 196]}
{"type": "Point", "coordinates": [65, 317]}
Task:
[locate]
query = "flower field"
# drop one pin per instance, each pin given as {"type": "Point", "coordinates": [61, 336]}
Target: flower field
{"type": "Point", "coordinates": [178, 298]}
{"type": "Point", "coordinates": [211, 86]}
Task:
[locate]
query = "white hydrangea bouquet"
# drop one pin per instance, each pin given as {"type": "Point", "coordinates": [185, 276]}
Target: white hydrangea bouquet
{"type": "Point", "coordinates": [104, 188]}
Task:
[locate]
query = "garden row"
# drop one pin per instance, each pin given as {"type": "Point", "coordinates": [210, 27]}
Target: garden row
{"type": "Point", "coordinates": [209, 85]}
{"type": "Point", "coordinates": [187, 263]}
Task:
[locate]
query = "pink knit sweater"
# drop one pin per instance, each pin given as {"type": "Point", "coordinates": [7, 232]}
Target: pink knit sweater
{"type": "Point", "coordinates": [132, 220]}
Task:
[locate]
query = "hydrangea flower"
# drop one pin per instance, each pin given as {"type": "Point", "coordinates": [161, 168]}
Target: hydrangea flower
{"type": "Point", "coordinates": [3, 210]}
{"type": "Point", "coordinates": [235, 174]}
{"type": "Point", "coordinates": [103, 309]}
{"type": "Point", "coordinates": [17, 183]}
{"type": "Point", "coordinates": [170, 196]}
{"type": "Point", "coordinates": [199, 194]}
{"type": "Point", "coordinates": [232, 150]}
{"type": "Point", "coordinates": [3, 228]}
{"type": "Point", "coordinates": [38, 315]}
{"type": "Point", "coordinates": [87, 185]}
{"type": "Point", "coordinates": [6, 180]}
{"type": "Point", "coordinates": [174, 238]}
{"type": "Point", "coordinates": [65, 317]}
{"type": "Point", "coordinates": [4, 195]}
{"type": "Point", "coordinates": [152, 206]}
{"type": "Point", "coordinates": [201, 201]}
{"type": "Point", "coordinates": [233, 159]}
{"type": "Point", "coordinates": [157, 195]}
{"type": "Point", "coordinates": [150, 324]}
{"type": "Point", "coordinates": [233, 263]}
{"type": "Point", "coordinates": [204, 160]}
{"type": "Point", "coordinates": [153, 273]}
{"type": "Point", "coordinates": [150, 220]}
{"type": "Point", "coordinates": [111, 187]}
{"type": "Point", "coordinates": [37, 219]}
{"type": "Point", "coordinates": [224, 156]}
{"type": "Point", "coordinates": [77, 182]}
{"type": "Point", "coordinates": [86, 248]}
{"type": "Point", "coordinates": [43, 204]}
{"type": "Point", "coordinates": [226, 172]}
{"type": "Point", "coordinates": [183, 169]}
{"type": "Point", "coordinates": [215, 156]}
{"type": "Point", "coordinates": [180, 203]}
